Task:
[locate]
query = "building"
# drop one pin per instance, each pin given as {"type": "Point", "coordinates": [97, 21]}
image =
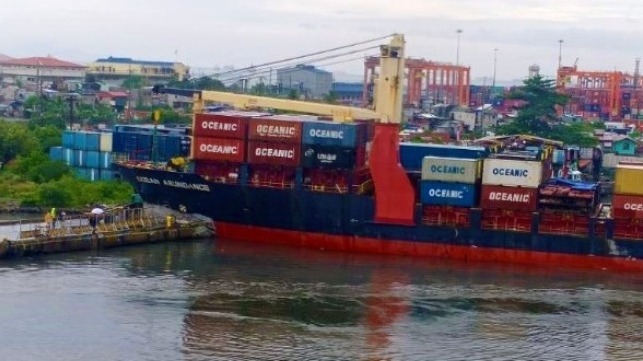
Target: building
{"type": "Point", "coordinates": [40, 72]}
{"type": "Point", "coordinates": [114, 71]}
{"type": "Point", "coordinates": [348, 93]}
{"type": "Point", "coordinates": [624, 146]}
{"type": "Point", "coordinates": [306, 79]}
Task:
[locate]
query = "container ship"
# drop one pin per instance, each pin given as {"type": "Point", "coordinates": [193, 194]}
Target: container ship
{"type": "Point", "coordinates": [341, 180]}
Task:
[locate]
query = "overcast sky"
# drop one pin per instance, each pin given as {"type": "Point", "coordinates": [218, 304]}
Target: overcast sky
{"type": "Point", "coordinates": [603, 35]}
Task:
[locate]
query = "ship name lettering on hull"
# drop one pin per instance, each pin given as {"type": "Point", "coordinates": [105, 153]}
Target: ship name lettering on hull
{"type": "Point", "coordinates": [185, 185]}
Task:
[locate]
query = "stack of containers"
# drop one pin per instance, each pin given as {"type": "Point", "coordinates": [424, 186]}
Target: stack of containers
{"type": "Point", "coordinates": [88, 153]}
{"type": "Point", "coordinates": [412, 154]}
{"type": "Point", "coordinates": [627, 201]}
{"type": "Point", "coordinates": [143, 143]}
{"type": "Point", "coordinates": [219, 145]}
{"type": "Point", "coordinates": [449, 187]}
{"type": "Point", "coordinates": [331, 152]}
{"type": "Point", "coordinates": [274, 149]}
{"type": "Point", "coordinates": [509, 192]}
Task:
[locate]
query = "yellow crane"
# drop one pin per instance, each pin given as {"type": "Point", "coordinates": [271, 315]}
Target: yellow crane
{"type": "Point", "coordinates": [395, 196]}
{"type": "Point", "coordinates": [388, 94]}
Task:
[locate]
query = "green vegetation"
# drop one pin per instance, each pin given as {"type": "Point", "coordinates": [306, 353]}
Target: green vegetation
{"type": "Point", "coordinates": [539, 116]}
{"type": "Point", "coordinates": [29, 178]}
{"type": "Point", "coordinates": [55, 112]}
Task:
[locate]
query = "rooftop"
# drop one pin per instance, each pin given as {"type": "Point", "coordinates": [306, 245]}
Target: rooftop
{"type": "Point", "coordinates": [41, 61]}
{"type": "Point", "coordinates": [118, 60]}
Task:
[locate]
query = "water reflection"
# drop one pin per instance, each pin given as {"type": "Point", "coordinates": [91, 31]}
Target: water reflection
{"type": "Point", "coordinates": [225, 300]}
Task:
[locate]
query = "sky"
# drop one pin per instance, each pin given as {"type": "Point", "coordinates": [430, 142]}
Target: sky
{"type": "Point", "coordinates": [206, 34]}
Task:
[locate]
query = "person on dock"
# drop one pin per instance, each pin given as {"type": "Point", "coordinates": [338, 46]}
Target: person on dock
{"type": "Point", "coordinates": [54, 217]}
{"type": "Point", "coordinates": [48, 220]}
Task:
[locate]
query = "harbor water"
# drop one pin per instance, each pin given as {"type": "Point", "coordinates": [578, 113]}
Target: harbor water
{"type": "Point", "coordinates": [222, 300]}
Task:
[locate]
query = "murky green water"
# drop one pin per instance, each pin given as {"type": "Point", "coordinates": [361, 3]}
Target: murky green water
{"type": "Point", "coordinates": [242, 301]}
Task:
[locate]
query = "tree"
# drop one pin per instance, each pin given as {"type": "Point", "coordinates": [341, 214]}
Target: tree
{"type": "Point", "coordinates": [134, 82]}
{"type": "Point", "coordinates": [538, 115]}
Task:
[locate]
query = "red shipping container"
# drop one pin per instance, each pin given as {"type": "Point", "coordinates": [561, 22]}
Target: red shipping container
{"type": "Point", "coordinates": [220, 126]}
{"type": "Point", "coordinates": [275, 130]}
{"type": "Point", "coordinates": [627, 207]}
{"type": "Point", "coordinates": [219, 149]}
{"type": "Point", "coordinates": [277, 153]}
{"type": "Point", "coordinates": [509, 198]}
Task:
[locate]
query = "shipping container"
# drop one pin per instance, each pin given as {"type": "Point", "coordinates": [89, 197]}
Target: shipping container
{"type": "Point", "coordinates": [412, 154]}
{"type": "Point", "coordinates": [106, 174]}
{"type": "Point", "coordinates": [219, 149]}
{"type": "Point", "coordinates": [125, 142]}
{"type": "Point", "coordinates": [105, 161]}
{"type": "Point", "coordinates": [87, 140]}
{"type": "Point", "coordinates": [316, 156]}
{"type": "Point", "coordinates": [90, 174]}
{"type": "Point", "coordinates": [508, 198]}
{"type": "Point", "coordinates": [78, 157]}
{"type": "Point", "coordinates": [627, 206]}
{"type": "Point", "coordinates": [628, 179]}
{"type": "Point", "coordinates": [448, 194]}
{"type": "Point", "coordinates": [68, 156]}
{"type": "Point", "coordinates": [144, 142]}
{"type": "Point", "coordinates": [334, 134]}
{"type": "Point", "coordinates": [56, 153]}
{"type": "Point", "coordinates": [277, 153]}
{"type": "Point", "coordinates": [68, 139]}
{"type": "Point", "coordinates": [106, 141]}
{"type": "Point", "coordinates": [167, 146]}
{"type": "Point", "coordinates": [512, 172]}
{"type": "Point", "coordinates": [444, 169]}
{"type": "Point", "coordinates": [91, 159]}
{"type": "Point", "coordinates": [273, 130]}
{"type": "Point", "coordinates": [220, 126]}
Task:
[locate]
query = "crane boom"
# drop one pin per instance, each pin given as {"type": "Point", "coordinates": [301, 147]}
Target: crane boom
{"type": "Point", "coordinates": [388, 94]}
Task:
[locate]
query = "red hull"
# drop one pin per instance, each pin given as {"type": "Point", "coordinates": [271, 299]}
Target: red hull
{"type": "Point", "coordinates": [330, 242]}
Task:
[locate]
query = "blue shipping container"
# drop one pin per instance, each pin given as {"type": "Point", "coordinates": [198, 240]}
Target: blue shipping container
{"type": "Point", "coordinates": [56, 153]}
{"type": "Point", "coordinates": [78, 158]}
{"type": "Point", "coordinates": [105, 160]}
{"type": "Point", "coordinates": [91, 159]}
{"type": "Point", "coordinates": [68, 139]}
{"type": "Point", "coordinates": [411, 154]}
{"type": "Point", "coordinates": [68, 156]}
{"type": "Point", "coordinates": [93, 141]}
{"type": "Point", "coordinates": [106, 174]}
{"type": "Point", "coordinates": [80, 140]}
{"type": "Point", "coordinates": [90, 174]}
{"type": "Point", "coordinates": [448, 194]}
{"type": "Point", "coordinates": [332, 134]}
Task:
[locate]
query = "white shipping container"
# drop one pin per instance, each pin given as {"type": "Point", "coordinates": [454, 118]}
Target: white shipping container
{"type": "Point", "coordinates": [444, 169]}
{"type": "Point", "coordinates": [106, 141]}
{"type": "Point", "coordinates": [511, 172]}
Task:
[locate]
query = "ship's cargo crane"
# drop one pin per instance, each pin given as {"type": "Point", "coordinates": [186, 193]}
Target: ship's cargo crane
{"type": "Point", "coordinates": [395, 198]}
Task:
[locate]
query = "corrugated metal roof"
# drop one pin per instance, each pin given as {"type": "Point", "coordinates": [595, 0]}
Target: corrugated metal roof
{"type": "Point", "coordinates": [40, 61]}
{"type": "Point", "coordinates": [118, 60]}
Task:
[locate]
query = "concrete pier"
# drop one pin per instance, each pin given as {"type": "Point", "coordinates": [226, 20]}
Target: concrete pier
{"type": "Point", "coordinates": [113, 228]}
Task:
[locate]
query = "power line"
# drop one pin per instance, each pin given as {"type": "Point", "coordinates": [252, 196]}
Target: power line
{"type": "Point", "coordinates": [264, 72]}
{"type": "Point", "coordinates": [293, 66]}
{"type": "Point", "coordinates": [303, 56]}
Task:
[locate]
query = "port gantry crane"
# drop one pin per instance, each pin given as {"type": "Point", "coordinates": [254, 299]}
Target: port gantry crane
{"type": "Point", "coordinates": [395, 197]}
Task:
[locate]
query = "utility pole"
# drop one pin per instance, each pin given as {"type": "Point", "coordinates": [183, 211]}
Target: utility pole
{"type": "Point", "coordinates": [457, 49]}
{"type": "Point", "coordinates": [560, 53]}
{"type": "Point", "coordinates": [495, 59]}
{"type": "Point", "coordinates": [70, 99]}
